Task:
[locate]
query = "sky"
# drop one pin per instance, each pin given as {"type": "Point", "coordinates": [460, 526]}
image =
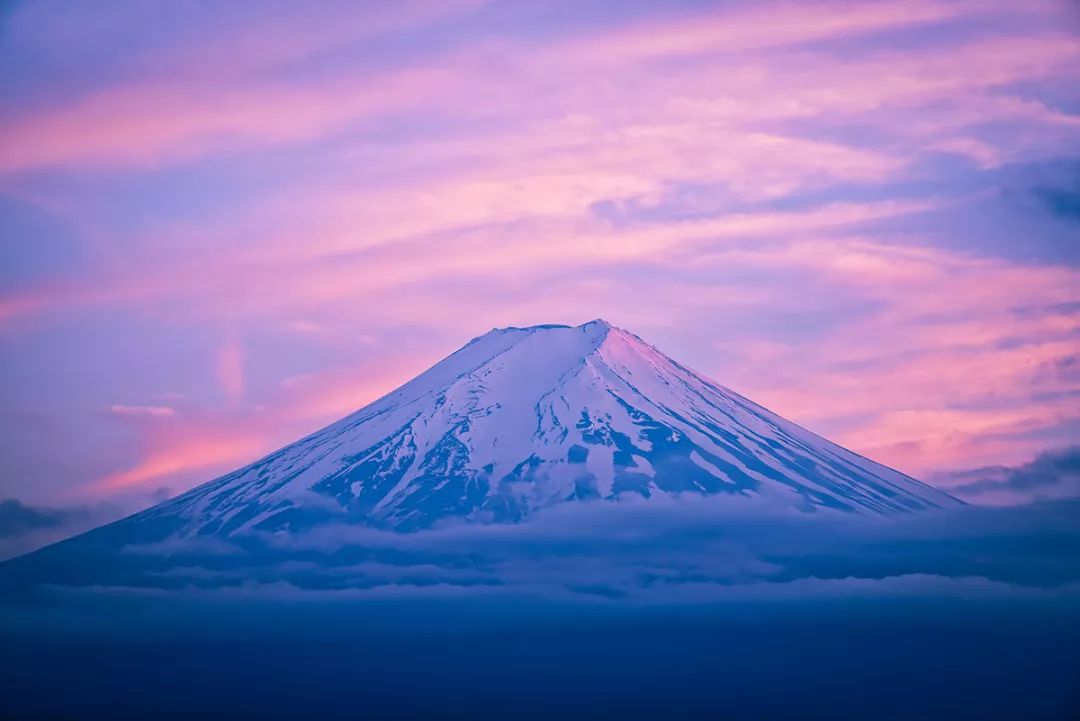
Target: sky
{"type": "Point", "coordinates": [224, 225]}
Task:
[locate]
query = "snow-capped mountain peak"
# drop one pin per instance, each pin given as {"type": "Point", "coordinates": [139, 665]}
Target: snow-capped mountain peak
{"type": "Point", "coordinates": [519, 419]}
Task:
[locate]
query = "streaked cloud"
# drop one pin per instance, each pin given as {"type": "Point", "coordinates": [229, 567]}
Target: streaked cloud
{"type": "Point", "coordinates": [790, 197]}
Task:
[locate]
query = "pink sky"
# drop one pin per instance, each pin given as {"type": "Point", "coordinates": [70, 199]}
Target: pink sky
{"type": "Point", "coordinates": [224, 226]}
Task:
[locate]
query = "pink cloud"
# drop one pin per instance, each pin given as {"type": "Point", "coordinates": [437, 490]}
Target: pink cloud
{"type": "Point", "coordinates": [218, 91]}
{"type": "Point", "coordinates": [150, 123]}
{"type": "Point", "coordinates": [755, 27]}
{"type": "Point", "coordinates": [187, 111]}
{"type": "Point", "coordinates": [943, 372]}
{"type": "Point", "coordinates": [684, 129]}
{"type": "Point", "coordinates": [242, 282]}
{"type": "Point", "coordinates": [181, 452]}
{"type": "Point", "coordinates": [162, 465]}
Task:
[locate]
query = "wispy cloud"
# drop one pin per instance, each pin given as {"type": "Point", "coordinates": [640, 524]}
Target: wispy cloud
{"type": "Point", "coordinates": [765, 200]}
{"type": "Point", "coordinates": [202, 445]}
{"type": "Point", "coordinates": [155, 411]}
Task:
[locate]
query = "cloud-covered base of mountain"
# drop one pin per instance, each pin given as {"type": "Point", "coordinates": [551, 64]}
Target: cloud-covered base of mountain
{"type": "Point", "coordinates": [654, 552]}
{"type": "Point", "coordinates": [691, 607]}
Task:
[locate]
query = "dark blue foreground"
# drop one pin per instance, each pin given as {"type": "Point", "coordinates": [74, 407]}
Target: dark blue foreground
{"type": "Point", "coordinates": [835, 659]}
{"type": "Point", "coordinates": [669, 613]}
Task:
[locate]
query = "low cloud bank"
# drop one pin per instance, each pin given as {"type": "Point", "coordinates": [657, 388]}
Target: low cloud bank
{"type": "Point", "coordinates": [643, 552]}
{"type": "Point", "coordinates": [24, 528]}
{"type": "Point", "coordinates": [1050, 475]}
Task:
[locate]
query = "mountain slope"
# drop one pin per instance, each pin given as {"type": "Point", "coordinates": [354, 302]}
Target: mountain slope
{"type": "Point", "coordinates": [524, 418]}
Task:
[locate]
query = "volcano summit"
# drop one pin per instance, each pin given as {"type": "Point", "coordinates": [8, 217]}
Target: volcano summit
{"type": "Point", "coordinates": [520, 419]}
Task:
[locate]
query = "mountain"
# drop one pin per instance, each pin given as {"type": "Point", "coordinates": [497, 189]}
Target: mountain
{"type": "Point", "coordinates": [524, 418]}
{"type": "Point", "coordinates": [278, 587]}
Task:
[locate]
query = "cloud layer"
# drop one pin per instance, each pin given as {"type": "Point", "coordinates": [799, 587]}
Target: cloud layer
{"type": "Point", "coordinates": [662, 551]}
